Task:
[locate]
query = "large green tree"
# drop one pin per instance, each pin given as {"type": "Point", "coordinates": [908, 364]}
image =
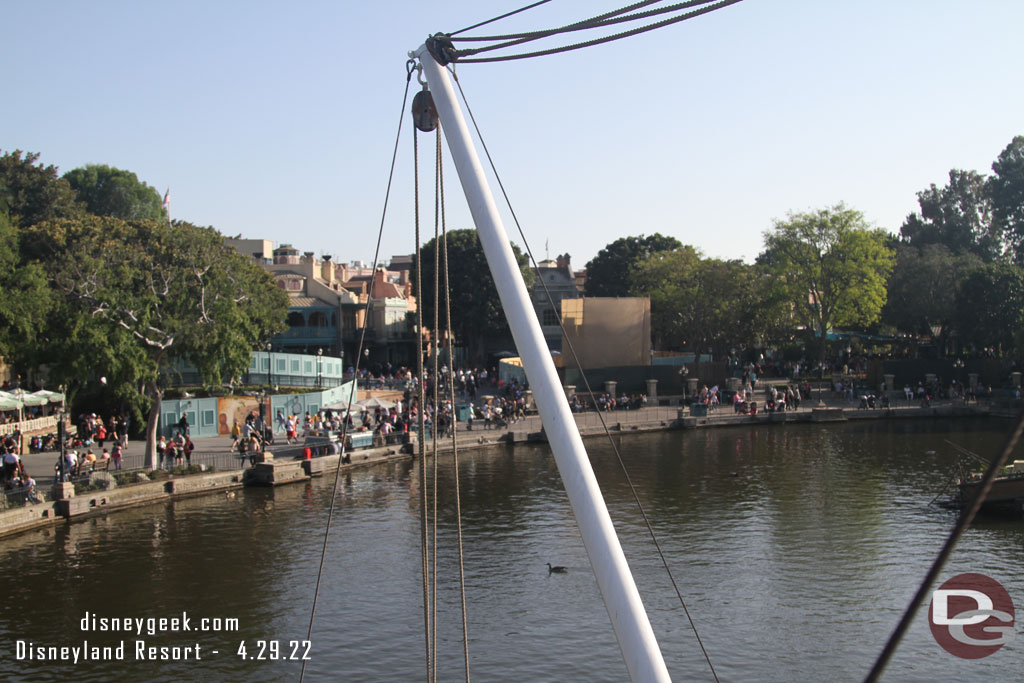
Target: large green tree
{"type": "Point", "coordinates": [706, 304]}
{"type": "Point", "coordinates": [611, 272]}
{"type": "Point", "coordinates": [135, 295]}
{"type": "Point", "coordinates": [957, 216]}
{"type": "Point", "coordinates": [25, 298]}
{"type": "Point", "coordinates": [116, 193]}
{"type": "Point", "coordinates": [990, 306]}
{"type": "Point", "coordinates": [1007, 190]}
{"type": "Point", "coordinates": [475, 307]}
{"type": "Point", "coordinates": [831, 266]}
{"type": "Point", "coordinates": [31, 192]}
{"type": "Point", "coordinates": [923, 287]}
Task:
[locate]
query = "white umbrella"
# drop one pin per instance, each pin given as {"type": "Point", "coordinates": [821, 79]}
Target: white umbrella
{"type": "Point", "coordinates": [51, 396]}
{"type": "Point", "coordinates": [374, 402]}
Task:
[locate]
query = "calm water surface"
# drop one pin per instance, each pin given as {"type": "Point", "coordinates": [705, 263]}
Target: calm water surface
{"type": "Point", "coordinates": [796, 548]}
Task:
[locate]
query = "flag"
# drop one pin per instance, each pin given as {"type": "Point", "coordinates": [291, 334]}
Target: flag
{"type": "Point", "coordinates": [167, 199]}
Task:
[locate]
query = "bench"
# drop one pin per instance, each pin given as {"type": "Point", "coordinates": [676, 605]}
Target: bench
{"type": "Point", "coordinates": [85, 468]}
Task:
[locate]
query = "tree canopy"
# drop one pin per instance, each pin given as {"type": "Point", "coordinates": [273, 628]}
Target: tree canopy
{"type": "Point", "coordinates": [31, 192]}
{"type": "Point", "coordinates": [701, 303]}
{"type": "Point", "coordinates": [137, 294]}
{"type": "Point", "coordinates": [112, 192]}
{"type": "Point", "coordinates": [611, 272]}
{"type": "Point", "coordinates": [923, 287]}
{"type": "Point", "coordinates": [86, 294]}
{"type": "Point", "coordinates": [990, 307]}
{"type": "Point", "coordinates": [957, 216]}
{"type": "Point", "coordinates": [475, 307]}
{"type": "Point", "coordinates": [831, 266]}
{"type": "Point", "coordinates": [1007, 191]}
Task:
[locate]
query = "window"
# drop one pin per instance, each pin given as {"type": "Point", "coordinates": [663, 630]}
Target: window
{"type": "Point", "coordinates": [317, 319]}
{"type": "Point", "coordinates": [208, 418]}
{"type": "Point", "coordinates": [549, 318]}
{"type": "Point", "coordinates": [295, 319]}
{"type": "Point", "coordinates": [295, 367]}
{"type": "Point", "coordinates": [308, 367]}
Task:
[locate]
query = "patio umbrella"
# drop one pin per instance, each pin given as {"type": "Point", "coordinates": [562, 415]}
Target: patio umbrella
{"type": "Point", "coordinates": [33, 400]}
{"type": "Point", "coordinates": [374, 402]}
{"type": "Point", "coordinates": [51, 396]}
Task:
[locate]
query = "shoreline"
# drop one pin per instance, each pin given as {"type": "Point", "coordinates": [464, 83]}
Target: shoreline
{"type": "Point", "coordinates": [283, 468]}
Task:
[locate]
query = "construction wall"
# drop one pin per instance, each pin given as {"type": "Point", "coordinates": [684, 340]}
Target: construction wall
{"type": "Point", "coordinates": [608, 332]}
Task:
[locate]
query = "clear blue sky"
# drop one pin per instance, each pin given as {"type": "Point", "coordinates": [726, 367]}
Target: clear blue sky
{"type": "Point", "coordinates": [276, 120]}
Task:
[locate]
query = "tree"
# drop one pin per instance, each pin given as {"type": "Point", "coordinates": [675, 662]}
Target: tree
{"type": "Point", "coordinates": [704, 303]}
{"type": "Point", "coordinates": [830, 266]}
{"type": "Point", "coordinates": [957, 216]}
{"type": "Point", "coordinates": [24, 297]}
{"type": "Point", "coordinates": [108, 191]}
{"type": "Point", "coordinates": [989, 306]}
{"type": "Point", "coordinates": [31, 192]}
{"type": "Point", "coordinates": [610, 273]}
{"type": "Point", "coordinates": [666, 278]}
{"type": "Point", "coordinates": [475, 307]}
{"type": "Point", "coordinates": [138, 294]}
{"type": "Point", "coordinates": [923, 287]}
{"type": "Point", "coordinates": [1007, 191]}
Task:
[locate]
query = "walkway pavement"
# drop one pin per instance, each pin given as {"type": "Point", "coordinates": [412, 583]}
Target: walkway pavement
{"type": "Point", "coordinates": [216, 450]}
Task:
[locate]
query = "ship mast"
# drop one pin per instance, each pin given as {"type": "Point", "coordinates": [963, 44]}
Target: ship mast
{"type": "Point", "coordinates": [622, 600]}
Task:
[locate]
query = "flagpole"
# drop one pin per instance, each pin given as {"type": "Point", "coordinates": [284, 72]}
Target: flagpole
{"type": "Point", "coordinates": [166, 205]}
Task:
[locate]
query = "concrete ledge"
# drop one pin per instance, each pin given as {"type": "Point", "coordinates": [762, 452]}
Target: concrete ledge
{"type": "Point", "coordinates": [31, 516]}
{"type": "Point", "coordinates": [203, 483]}
{"type": "Point", "coordinates": [827, 415]}
{"type": "Point", "coordinates": [276, 473]}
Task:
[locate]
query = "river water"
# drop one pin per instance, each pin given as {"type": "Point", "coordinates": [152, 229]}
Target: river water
{"type": "Point", "coordinates": [796, 548]}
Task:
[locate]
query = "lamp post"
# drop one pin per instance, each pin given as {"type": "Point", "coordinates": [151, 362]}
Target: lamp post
{"type": "Point", "coordinates": [270, 368]}
{"type": "Point", "coordinates": [936, 329]}
{"type": "Point", "coordinates": [319, 366]}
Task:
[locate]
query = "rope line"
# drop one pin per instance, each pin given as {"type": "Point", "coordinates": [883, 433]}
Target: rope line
{"type": "Point", "coordinates": [596, 41]}
{"type": "Point", "coordinates": [503, 16]}
{"type": "Point", "coordinates": [455, 423]}
{"type": "Point", "coordinates": [362, 339]}
{"type": "Point", "coordinates": [962, 524]}
{"type": "Point", "coordinates": [434, 386]}
{"type": "Point", "coordinates": [575, 26]}
{"type": "Point", "coordinates": [604, 425]}
{"type": "Point", "coordinates": [424, 539]}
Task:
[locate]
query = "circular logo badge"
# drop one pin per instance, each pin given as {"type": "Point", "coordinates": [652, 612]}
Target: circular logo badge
{"type": "Point", "coordinates": [971, 616]}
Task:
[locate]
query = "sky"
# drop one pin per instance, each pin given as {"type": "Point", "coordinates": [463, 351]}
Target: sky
{"type": "Point", "coordinates": [277, 120]}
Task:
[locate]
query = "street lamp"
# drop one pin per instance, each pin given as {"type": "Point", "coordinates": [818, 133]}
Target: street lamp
{"type": "Point", "coordinates": [936, 329]}
{"type": "Point", "coordinates": [319, 365]}
{"type": "Point", "coordinates": [270, 368]}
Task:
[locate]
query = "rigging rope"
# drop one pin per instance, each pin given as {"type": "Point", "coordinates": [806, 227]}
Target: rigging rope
{"type": "Point", "coordinates": [962, 524]}
{"type": "Point", "coordinates": [575, 26]}
{"type": "Point", "coordinates": [583, 375]}
{"type": "Point", "coordinates": [449, 338]}
{"type": "Point", "coordinates": [608, 19]}
{"type": "Point", "coordinates": [409, 68]}
{"type": "Point", "coordinates": [458, 55]}
{"type": "Point", "coordinates": [421, 408]}
{"type": "Point", "coordinates": [503, 16]}
{"type": "Point", "coordinates": [434, 387]}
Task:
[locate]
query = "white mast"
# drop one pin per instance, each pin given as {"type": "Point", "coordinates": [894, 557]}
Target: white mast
{"type": "Point", "coordinates": [621, 598]}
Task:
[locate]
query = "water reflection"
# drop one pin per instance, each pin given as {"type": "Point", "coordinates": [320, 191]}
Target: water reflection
{"type": "Point", "coordinates": [796, 547]}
